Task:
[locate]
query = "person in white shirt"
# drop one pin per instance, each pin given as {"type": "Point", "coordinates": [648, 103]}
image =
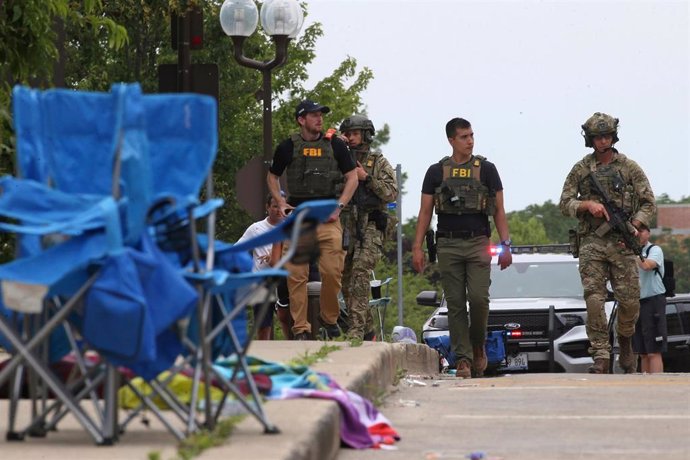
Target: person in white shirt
{"type": "Point", "coordinates": [650, 335]}
{"type": "Point", "coordinates": [262, 258]}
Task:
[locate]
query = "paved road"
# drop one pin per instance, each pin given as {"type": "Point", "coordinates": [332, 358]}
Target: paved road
{"type": "Point", "coordinates": [540, 416]}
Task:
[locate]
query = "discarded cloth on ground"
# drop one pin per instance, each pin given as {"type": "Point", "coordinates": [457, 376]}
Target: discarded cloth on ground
{"type": "Point", "coordinates": [362, 425]}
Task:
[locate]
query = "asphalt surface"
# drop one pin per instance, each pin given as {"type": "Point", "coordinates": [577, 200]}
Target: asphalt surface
{"type": "Point", "coordinates": [539, 416]}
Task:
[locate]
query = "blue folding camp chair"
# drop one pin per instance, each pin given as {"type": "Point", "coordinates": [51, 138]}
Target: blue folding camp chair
{"type": "Point", "coordinates": [89, 193]}
{"type": "Point", "coordinates": [66, 224]}
{"type": "Point", "coordinates": [223, 280]}
{"type": "Point", "coordinates": [102, 178]}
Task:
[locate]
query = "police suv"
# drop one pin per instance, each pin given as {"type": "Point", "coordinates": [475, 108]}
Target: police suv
{"type": "Point", "coordinates": [538, 305]}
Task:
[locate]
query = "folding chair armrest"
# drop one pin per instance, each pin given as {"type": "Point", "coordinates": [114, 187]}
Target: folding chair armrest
{"type": "Point", "coordinates": [222, 280]}
{"type": "Point", "coordinates": [310, 211]}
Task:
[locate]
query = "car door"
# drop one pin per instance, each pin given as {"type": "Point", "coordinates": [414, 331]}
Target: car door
{"type": "Point", "coordinates": [677, 356]}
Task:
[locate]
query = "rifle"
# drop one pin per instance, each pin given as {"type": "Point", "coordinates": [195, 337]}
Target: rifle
{"type": "Point", "coordinates": [431, 245]}
{"type": "Point", "coordinates": [618, 220]}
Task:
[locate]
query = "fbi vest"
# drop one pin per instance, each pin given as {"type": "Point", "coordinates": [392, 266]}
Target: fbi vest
{"type": "Point", "coordinates": [461, 191]}
{"type": "Point", "coordinates": [313, 171]}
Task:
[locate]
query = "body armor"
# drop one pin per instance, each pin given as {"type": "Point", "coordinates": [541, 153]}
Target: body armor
{"type": "Point", "coordinates": [313, 171]}
{"type": "Point", "coordinates": [618, 187]}
{"type": "Point", "coordinates": [461, 191]}
{"type": "Point", "coordinates": [364, 198]}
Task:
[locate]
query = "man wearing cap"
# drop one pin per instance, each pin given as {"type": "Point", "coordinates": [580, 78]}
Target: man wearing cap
{"type": "Point", "coordinates": [316, 165]}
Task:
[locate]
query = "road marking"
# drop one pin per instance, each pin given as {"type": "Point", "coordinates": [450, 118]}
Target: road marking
{"type": "Point", "coordinates": [569, 417]}
{"type": "Point", "coordinates": [550, 387]}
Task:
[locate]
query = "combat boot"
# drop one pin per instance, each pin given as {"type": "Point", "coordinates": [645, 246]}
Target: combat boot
{"type": "Point", "coordinates": [626, 359]}
{"type": "Point", "coordinates": [479, 360]}
{"type": "Point", "coordinates": [600, 366]}
{"type": "Point", "coordinates": [463, 370]}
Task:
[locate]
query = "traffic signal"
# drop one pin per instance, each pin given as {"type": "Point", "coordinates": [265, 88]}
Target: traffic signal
{"type": "Point", "coordinates": [195, 17]}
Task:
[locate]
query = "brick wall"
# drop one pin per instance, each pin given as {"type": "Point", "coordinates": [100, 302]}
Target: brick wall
{"type": "Point", "coordinates": [674, 216]}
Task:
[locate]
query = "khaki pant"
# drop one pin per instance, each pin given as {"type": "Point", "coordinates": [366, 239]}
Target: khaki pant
{"type": "Point", "coordinates": [465, 266]}
{"type": "Point", "coordinates": [331, 260]}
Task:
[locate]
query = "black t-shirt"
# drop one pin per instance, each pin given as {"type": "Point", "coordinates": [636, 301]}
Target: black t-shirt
{"type": "Point", "coordinates": [488, 176]}
{"type": "Point", "coordinates": [283, 157]}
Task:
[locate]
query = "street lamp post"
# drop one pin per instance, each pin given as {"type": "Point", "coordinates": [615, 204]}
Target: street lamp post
{"type": "Point", "coordinates": [282, 20]}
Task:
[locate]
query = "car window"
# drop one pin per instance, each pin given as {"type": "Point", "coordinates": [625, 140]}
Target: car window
{"type": "Point", "coordinates": [672, 320]}
{"type": "Point", "coordinates": [684, 313]}
{"type": "Point", "coordinates": [536, 279]}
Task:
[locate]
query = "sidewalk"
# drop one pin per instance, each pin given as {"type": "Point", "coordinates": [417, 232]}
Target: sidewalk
{"type": "Point", "coordinates": [309, 428]}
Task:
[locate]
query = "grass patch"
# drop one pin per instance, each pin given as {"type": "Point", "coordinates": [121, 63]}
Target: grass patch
{"type": "Point", "coordinates": [400, 373]}
{"type": "Point", "coordinates": [309, 358]}
{"type": "Point", "coordinates": [195, 444]}
{"type": "Point", "coordinates": [356, 342]}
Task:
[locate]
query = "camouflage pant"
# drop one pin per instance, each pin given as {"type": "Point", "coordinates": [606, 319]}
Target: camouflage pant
{"type": "Point", "coordinates": [603, 259]}
{"type": "Point", "coordinates": [360, 260]}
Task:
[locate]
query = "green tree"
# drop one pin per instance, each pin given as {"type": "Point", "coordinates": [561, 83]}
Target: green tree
{"type": "Point", "coordinates": [524, 230]}
{"type": "Point", "coordinates": [554, 222]}
{"type": "Point", "coordinates": [28, 33]}
{"type": "Point", "coordinates": [95, 60]}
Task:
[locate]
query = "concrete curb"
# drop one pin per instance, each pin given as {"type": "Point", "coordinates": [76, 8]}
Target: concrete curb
{"type": "Point", "coordinates": [310, 429]}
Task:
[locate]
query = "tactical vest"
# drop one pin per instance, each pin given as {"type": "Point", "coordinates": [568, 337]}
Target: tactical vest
{"type": "Point", "coordinates": [365, 199]}
{"type": "Point", "coordinates": [313, 171]}
{"type": "Point", "coordinates": [619, 189]}
{"type": "Point", "coordinates": [461, 191]}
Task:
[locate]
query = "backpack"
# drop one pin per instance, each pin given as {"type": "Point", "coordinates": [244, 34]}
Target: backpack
{"type": "Point", "coordinates": [668, 279]}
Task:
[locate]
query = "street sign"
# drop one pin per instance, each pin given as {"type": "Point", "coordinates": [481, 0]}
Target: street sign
{"type": "Point", "coordinates": [203, 79]}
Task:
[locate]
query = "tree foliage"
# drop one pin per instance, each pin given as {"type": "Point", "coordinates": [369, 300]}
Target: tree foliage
{"type": "Point", "coordinates": [100, 52]}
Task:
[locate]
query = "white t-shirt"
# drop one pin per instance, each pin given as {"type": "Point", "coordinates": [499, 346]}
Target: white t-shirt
{"type": "Point", "coordinates": [261, 254]}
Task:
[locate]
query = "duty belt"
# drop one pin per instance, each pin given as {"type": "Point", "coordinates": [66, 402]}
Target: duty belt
{"type": "Point", "coordinates": [463, 234]}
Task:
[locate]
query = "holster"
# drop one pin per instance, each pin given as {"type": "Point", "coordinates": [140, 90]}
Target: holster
{"type": "Point", "coordinates": [380, 219]}
{"type": "Point", "coordinates": [574, 240]}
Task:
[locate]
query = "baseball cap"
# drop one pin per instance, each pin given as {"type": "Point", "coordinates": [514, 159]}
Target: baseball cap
{"type": "Point", "coordinates": [307, 106]}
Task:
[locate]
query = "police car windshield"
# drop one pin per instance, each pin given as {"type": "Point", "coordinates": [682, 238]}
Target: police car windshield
{"type": "Point", "coordinates": [540, 279]}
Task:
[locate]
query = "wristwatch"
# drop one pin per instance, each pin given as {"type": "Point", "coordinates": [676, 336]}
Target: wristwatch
{"type": "Point", "coordinates": [506, 243]}
{"type": "Point", "coordinates": [341, 205]}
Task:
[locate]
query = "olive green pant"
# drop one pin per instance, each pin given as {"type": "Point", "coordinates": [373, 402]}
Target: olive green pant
{"type": "Point", "coordinates": [465, 266]}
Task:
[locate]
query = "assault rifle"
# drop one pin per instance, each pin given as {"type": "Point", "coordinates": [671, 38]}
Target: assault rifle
{"type": "Point", "coordinates": [618, 220]}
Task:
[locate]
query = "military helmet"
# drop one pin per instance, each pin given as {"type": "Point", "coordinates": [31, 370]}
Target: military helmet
{"type": "Point", "coordinates": [359, 122]}
{"type": "Point", "coordinates": [598, 124]}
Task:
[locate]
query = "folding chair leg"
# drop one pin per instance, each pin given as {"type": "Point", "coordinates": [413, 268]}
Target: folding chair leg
{"type": "Point", "coordinates": [90, 387]}
{"type": "Point", "coordinates": [41, 335]}
{"type": "Point", "coordinates": [110, 430]}
{"type": "Point", "coordinates": [204, 319]}
{"type": "Point", "coordinates": [146, 401]}
{"type": "Point", "coordinates": [58, 389]}
{"type": "Point", "coordinates": [15, 395]}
